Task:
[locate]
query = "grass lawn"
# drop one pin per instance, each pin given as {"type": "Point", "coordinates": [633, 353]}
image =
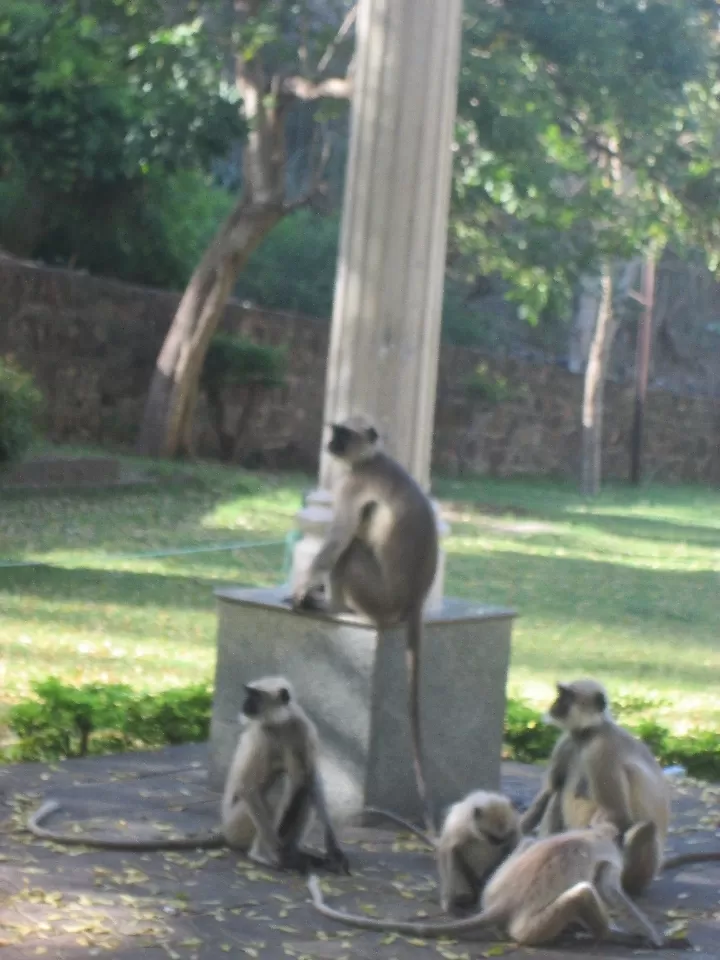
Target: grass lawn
{"type": "Point", "coordinates": [626, 588]}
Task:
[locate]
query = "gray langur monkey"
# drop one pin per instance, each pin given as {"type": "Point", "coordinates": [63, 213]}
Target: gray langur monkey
{"type": "Point", "coordinates": [537, 893]}
{"type": "Point", "coordinates": [279, 742]}
{"type": "Point", "coordinates": [597, 766]}
{"type": "Point", "coordinates": [380, 555]}
{"type": "Point", "coordinates": [477, 834]}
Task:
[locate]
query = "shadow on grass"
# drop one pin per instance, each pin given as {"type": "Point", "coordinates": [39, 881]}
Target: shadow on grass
{"type": "Point", "coordinates": [564, 589]}
{"type": "Point", "coordinates": [549, 588]}
{"type": "Point", "coordinates": [560, 502]}
{"type": "Point", "coordinates": [102, 587]}
{"type": "Point", "coordinates": [133, 520]}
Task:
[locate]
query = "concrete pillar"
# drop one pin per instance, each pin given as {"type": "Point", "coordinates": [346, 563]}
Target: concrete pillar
{"type": "Point", "coordinates": [384, 341]}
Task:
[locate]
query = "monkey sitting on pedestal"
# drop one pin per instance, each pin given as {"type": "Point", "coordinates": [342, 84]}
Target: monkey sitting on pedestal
{"type": "Point", "coordinates": [380, 554]}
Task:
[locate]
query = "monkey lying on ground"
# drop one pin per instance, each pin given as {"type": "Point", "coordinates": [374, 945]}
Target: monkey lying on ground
{"type": "Point", "coordinates": [380, 554]}
{"type": "Point", "coordinates": [535, 895]}
{"type": "Point", "coordinates": [280, 740]}
{"type": "Point", "coordinates": [477, 834]}
{"type": "Point", "coordinates": [597, 765]}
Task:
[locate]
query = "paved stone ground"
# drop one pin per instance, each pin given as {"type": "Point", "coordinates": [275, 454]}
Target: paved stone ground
{"type": "Point", "coordinates": [65, 903]}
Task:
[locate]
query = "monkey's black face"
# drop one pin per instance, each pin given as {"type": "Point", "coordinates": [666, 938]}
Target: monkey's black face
{"type": "Point", "coordinates": [340, 441]}
{"type": "Point", "coordinates": [350, 444]}
{"type": "Point", "coordinates": [563, 702]}
{"type": "Point", "coordinates": [252, 703]}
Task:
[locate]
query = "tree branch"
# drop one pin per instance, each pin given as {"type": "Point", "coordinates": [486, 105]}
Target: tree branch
{"type": "Point", "coordinates": [339, 36]}
{"type": "Point", "coordinates": [315, 183]}
{"type": "Point", "coordinates": [334, 88]}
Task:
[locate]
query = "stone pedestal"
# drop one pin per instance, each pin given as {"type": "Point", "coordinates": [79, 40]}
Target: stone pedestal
{"type": "Point", "coordinates": [352, 681]}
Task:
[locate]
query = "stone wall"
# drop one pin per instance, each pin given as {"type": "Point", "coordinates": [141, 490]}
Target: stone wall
{"type": "Point", "coordinates": [91, 344]}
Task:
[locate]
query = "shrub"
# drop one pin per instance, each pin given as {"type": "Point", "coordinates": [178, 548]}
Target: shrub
{"type": "Point", "coordinates": [67, 721]}
{"type": "Point", "coordinates": [151, 231]}
{"type": "Point", "coordinates": [527, 737]}
{"type": "Point", "coordinates": [294, 268]}
{"type": "Point", "coordinates": [176, 716]}
{"type": "Point", "coordinates": [20, 404]}
{"type": "Point", "coordinates": [233, 361]}
{"type": "Point", "coordinates": [486, 387]}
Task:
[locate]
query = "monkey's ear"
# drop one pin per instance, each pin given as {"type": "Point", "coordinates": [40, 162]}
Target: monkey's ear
{"type": "Point", "coordinates": [372, 434]}
{"type": "Point", "coordinates": [600, 701]}
{"type": "Point", "coordinates": [284, 695]}
{"type": "Point", "coordinates": [562, 688]}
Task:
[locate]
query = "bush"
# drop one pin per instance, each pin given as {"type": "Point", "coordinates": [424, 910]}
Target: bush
{"type": "Point", "coordinates": [238, 362]}
{"type": "Point", "coordinates": [20, 404]}
{"type": "Point", "coordinates": [294, 268]}
{"type": "Point", "coordinates": [486, 387]}
{"type": "Point", "coordinates": [151, 231]}
{"type": "Point", "coordinates": [66, 721]}
{"type": "Point", "coordinates": [527, 738]}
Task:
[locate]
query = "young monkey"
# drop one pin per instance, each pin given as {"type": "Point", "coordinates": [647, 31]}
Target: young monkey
{"type": "Point", "coordinates": [535, 895]}
{"type": "Point", "coordinates": [380, 554]}
{"type": "Point", "coordinates": [478, 833]}
{"type": "Point", "coordinates": [280, 741]}
{"type": "Point", "coordinates": [598, 766]}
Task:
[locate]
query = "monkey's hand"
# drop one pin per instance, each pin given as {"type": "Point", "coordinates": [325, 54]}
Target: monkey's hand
{"type": "Point", "coordinates": [308, 599]}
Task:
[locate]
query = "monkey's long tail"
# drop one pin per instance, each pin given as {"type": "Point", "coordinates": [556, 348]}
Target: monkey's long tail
{"type": "Point", "coordinates": [414, 640]}
{"type": "Point", "coordinates": [429, 928]}
{"type": "Point", "coordinates": [206, 841]}
{"type": "Point", "coordinates": [401, 822]}
{"type": "Point", "coordinates": [683, 859]}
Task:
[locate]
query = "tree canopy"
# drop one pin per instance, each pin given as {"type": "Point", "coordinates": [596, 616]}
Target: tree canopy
{"type": "Point", "coordinates": [552, 94]}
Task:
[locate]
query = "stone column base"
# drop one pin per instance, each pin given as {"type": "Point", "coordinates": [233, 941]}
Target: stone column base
{"type": "Point", "coordinates": [352, 681]}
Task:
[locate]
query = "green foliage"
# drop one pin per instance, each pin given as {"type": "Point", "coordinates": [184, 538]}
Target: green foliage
{"type": "Point", "coordinates": [529, 740]}
{"type": "Point", "coordinates": [548, 94]}
{"type": "Point", "coordinates": [154, 232]}
{"type": "Point", "coordinates": [487, 387]}
{"type": "Point", "coordinates": [105, 95]}
{"type": "Point", "coordinates": [20, 404]}
{"type": "Point", "coordinates": [176, 716]}
{"type": "Point", "coordinates": [110, 120]}
{"type": "Point", "coordinates": [68, 721]}
{"type": "Point", "coordinates": [294, 268]}
{"type": "Point", "coordinates": [61, 721]}
{"type": "Point", "coordinates": [233, 361]}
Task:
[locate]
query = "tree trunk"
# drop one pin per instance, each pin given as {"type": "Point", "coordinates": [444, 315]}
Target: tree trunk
{"type": "Point", "coordinates": [595, 372]}
{"type": "Point", "coordinates": [583, 324]}
{"type": "Point", "coordinates": [167, 425]}
{"type": "Point", "coordinates": [243, 421]}
{"type": "Point", "coordinates": [167, 422]}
